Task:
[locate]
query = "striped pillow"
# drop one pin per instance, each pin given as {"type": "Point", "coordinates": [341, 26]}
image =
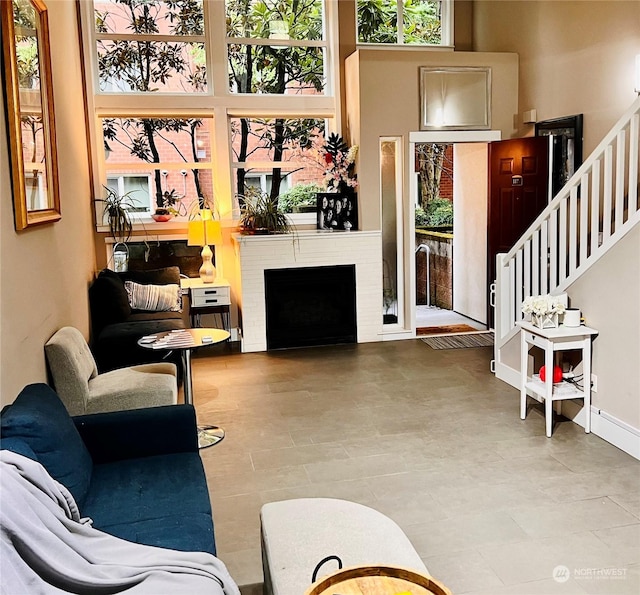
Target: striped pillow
{"type": "Point", "coordinates": [154, 298]}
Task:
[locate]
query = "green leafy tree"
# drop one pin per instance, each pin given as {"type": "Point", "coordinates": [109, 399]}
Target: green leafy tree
{"type": "Point", "coordinates": [141, 66]}
{"type": "Point", "coordinates": [378, 22]}
{"type": "Point", "coordinates": [432, 165]}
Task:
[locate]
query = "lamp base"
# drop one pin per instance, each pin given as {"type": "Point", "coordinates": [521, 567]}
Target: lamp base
{"type": "Point", "coordinates": [207, 270]}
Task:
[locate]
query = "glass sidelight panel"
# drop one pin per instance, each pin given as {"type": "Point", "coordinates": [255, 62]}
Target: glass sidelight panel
{"type": "Point", "coordinates": [392, 230]}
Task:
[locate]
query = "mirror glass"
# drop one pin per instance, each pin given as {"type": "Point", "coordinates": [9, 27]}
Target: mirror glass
{"type": "Point", "coordinates": [392, 236]}
{"type": "Point", "coordinates": [29, 104]}
{"type": "Point", "coordinates": [455, 98]}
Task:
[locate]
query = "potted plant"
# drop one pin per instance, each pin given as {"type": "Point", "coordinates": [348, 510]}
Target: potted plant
{"type": "Point", "coordinates": [261, 214]}
{"type": "Point", "coordinates": [168, 209]}
{"type": "Point", "coordinates": [116, 208]}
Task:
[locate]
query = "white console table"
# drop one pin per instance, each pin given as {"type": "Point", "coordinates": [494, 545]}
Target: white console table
{"type": "Point", "coordinates": [551, 340]}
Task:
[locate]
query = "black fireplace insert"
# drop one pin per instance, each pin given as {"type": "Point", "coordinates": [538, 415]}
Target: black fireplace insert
{"type": "Point", "coordinates": [310, 306]}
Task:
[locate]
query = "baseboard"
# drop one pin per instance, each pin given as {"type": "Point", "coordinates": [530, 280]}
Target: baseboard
{"type": "Point", "coordinates": [607, 427]}
{"type": "Point", "coordinates": [507, 374]}
{"type": "Point", "coordinates": [603, 425]}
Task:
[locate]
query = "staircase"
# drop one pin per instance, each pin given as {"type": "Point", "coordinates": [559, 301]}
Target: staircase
{"type": "Point", "coordinates": [597, 207]}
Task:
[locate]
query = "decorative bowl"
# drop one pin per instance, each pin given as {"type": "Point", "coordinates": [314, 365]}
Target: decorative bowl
{"type": "Point", "coordinates": [161, 218]}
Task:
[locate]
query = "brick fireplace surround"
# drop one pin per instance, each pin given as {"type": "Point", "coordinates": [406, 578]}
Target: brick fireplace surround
{"type": "Point", "coordinates": [255, 254]}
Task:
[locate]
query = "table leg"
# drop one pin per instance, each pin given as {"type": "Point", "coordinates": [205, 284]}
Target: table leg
{"type": "Point", "coordinates": [548, 401]}
{"type": "Point", "coordinates": [207, 435]}
{"type": "Point", "coordinates": [524, 356]}
{"type": "Point", "coordinates": [188, 384]}
{"type": "Point", "coordinates": [586, 382]}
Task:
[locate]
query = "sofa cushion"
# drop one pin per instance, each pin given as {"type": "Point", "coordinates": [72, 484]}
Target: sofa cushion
{"type": "Point", "coordinates": [117, 345]}
{"type": "Point", "coordinates": [39, 418]}
{"type": "Point", "coordinates": [167, 501]}
{"type": "Point", "coordinates": [108, 299]}
{"type": "Point", "coordinates": [18, 446]}
{"type": "Point", "coordinates": [163, 276]}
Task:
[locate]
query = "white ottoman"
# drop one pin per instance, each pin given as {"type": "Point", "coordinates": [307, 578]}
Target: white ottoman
{"type": "Point", "coordinates": [297, 534]}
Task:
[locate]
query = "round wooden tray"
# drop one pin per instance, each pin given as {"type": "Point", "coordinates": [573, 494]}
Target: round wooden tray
{"type": "Point", "coordinates": [377, 580]}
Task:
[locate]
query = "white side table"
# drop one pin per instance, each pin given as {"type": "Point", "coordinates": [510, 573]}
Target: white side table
{"type": "Point", "coordinates": [551, 340]}
{"type": "Point", "coordinates": [207, 298]}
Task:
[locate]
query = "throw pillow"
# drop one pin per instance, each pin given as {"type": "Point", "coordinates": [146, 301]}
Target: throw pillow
{"type": "Point", "coordinates": [154, 298]}
{"type": "Point", "coordinates": [39, 418]}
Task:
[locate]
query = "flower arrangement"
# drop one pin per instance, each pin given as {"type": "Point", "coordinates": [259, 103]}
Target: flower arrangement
{"type": "Point", "coordinates": [543, 304]}
{"type": "Point", "coordinates": [544, 309]}
{"type": "Point", "coordinates": [339, 161]}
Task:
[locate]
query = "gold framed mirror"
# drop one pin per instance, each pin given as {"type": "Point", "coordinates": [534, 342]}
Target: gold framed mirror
{"type": "Point", "coordinates": [29, 105]}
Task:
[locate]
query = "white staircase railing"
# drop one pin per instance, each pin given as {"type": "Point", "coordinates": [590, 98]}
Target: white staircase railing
{"type": "Point", "coordinates": [594, 210]}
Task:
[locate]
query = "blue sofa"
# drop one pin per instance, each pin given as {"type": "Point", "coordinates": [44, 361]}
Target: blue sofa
{"type": "Point", "coordinates": [137, 474]}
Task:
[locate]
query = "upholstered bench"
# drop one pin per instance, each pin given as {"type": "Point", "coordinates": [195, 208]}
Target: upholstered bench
{"type": "Point", "coordinates": [297, 534]}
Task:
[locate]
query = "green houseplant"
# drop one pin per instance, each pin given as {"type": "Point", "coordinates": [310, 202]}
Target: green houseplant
{"type": "Point", "coordinates": [261, 214]}
{"type": "Point", "coordinates": [116, 208]}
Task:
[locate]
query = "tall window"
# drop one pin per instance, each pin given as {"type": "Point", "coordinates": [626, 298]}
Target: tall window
{"type": "Point", "coordinates": [193, 98]}
{"type": "Point", "coordinates": [405, 22]}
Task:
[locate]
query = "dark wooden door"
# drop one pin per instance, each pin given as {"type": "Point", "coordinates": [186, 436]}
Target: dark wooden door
{"type": "Point", "coordinates": [518, 193]}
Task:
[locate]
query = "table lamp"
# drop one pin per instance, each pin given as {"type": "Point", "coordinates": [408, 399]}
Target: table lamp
{"type": "Point", "coordinates": [205, 232]}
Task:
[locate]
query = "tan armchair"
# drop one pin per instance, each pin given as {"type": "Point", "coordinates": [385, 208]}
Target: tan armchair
{"type": "Point", "coordinates": [83, 390]}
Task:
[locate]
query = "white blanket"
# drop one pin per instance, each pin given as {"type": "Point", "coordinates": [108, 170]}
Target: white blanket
{"type": "Point", "coordinates": [47, 548]}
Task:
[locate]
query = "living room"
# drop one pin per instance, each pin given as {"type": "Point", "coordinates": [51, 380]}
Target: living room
{"type": "Point", "coordinates": [562, 58]}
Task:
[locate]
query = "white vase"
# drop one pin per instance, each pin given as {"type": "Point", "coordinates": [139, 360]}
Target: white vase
{"type": "Point", "coordinates": [545, 320]}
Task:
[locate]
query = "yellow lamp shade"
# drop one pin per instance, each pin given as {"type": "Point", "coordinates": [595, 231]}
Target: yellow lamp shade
{"type": "Point", "coordinates": [204, 232]}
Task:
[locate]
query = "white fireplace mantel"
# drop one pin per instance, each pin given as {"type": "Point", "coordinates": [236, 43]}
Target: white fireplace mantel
{"type": "Point", "coordinates": [258, 253]}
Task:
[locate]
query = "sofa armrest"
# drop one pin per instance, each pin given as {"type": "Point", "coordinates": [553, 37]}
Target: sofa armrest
{"type": "Point", "coordinates": [136, 433]}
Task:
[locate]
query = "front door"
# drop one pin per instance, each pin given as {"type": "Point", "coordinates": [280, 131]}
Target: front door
{"type": "Point", "coordinates": [518, 193]}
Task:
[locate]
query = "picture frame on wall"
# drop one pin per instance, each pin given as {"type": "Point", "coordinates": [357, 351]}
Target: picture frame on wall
{"type": "Point", "coordinates": [337, 211]}
{"type": "Point", "coordinates": [455, 98]}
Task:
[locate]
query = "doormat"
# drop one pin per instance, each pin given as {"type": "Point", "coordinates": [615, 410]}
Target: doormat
{"type": "Point", "coordinates": [460, 341]}
{"type": "Point", "coordinates": [444, 330]}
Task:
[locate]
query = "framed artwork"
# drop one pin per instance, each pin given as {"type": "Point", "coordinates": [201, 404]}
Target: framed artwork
{"type": "Point", "coordinates": [455, 98]}
{"type": "Point", "coordinates": [337, 212]}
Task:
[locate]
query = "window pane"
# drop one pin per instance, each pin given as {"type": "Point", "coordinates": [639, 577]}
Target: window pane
{"type": "Point", "coordinates": [290, 144]}
{"type": "Point", "coordinates": [131, 66]}
{"type": "Point", "coordinates": [422, 22]}
{"type": "Point", "coordinates": [149, 17]}
{"type": "Point", "coordinates": [158, 141]}
{"type": "Point", "coordinates": [377, 21]}
{"type": "Point", "coordinates": [288, 71]}
{"type": "Point", "coordinates": [274, 19]}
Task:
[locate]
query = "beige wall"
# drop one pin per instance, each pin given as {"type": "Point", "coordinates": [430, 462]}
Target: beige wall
{"type": "Point", "coordinates": [575, 57]}
{"type": "Point", "coordinates": [45, 271]}
{"type": "Point", "coordinates": [608, 296]}
{"type": "Point", "coordinates": [387, 104]}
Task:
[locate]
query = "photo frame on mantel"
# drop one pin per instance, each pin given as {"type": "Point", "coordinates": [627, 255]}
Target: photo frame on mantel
{"type": "Point", "coordinates": [455, 98]}
{"type": "Point", "coordinates": [26, 62]}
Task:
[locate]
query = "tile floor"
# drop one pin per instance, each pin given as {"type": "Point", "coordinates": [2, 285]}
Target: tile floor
{"type": "Point", "coordinates": [432, 316]}
{"type": "Point", "coordinates": [432, 439]}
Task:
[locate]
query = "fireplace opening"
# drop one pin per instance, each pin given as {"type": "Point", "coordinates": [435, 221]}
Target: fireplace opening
{"type": "Point", "coordinates": [310, 306]}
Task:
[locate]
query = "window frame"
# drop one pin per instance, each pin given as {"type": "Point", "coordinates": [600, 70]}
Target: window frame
{"type": "Point", "coordinates": [217, 103]}
{"type": "Point", "coordinates": [446, 29]}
